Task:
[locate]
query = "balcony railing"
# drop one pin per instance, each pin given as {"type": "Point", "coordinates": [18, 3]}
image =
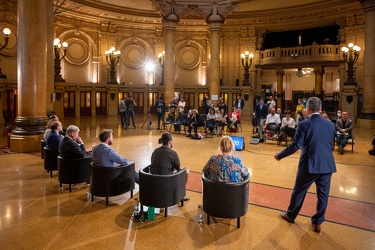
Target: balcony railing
{"type": "Point", "coordinates": [313, 53]}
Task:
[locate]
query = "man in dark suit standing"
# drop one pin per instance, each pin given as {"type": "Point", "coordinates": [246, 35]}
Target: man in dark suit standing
{"type": "Point", "coordinates": [261, 112]}
{"type": "Point", "coordinates": [239, 103]}
{"type": "Point", "coordinates": [316, 164]}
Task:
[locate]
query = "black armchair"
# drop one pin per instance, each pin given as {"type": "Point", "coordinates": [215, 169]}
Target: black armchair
{"type": "Point", "coordinates": [72, 171]}
{"type": "Point", "coordinates": [161, 190]}
{"type": "Point", "coordinates": [42, 145]}
{"type": "Point", "coordinates": [225, 199]}
{"type": "Point", "coordinates": [50, 160]}
{"type": "Point", "coordinates": [107, 181]}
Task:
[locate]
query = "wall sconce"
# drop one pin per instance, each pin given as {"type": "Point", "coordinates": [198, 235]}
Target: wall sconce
{"type": "Point", "coordinates": [112, 57]}
{"type": "Point", "coordinates": [161, 62]}
{"type": "Point", "coordinates": [6, 32]}
{"type": "Point", "coordinates": [247, 60]}
{"type": "Point", "coordinates": [350, 55]}
{"type": "Point", "coordinates": [59, 55]}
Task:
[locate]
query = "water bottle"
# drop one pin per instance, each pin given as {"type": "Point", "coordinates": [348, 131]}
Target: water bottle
{"type": "Point", "coordinates": [136, 205]}
{"type": "Point", "coordinates": [200, 215]}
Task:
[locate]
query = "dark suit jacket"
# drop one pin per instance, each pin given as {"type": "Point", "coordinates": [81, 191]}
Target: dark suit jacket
{"type": "Point", "coordinates": [70, 149]}
{"type": "Point", "coordinates": [53, 140]}
{"type": "Point", "coordinates": [314, 136]}
{"type": "Point", "coordinates": [242, 103]}
{"type": "Point", "coordinates": [261, 113]}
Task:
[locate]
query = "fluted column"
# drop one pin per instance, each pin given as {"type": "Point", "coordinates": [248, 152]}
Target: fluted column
{"type": "Point", "coordinates": [368, 110]}
{"type": "Point", "coordinates": [280, 82]}
{"type": "Point", "coordinates": [32, 67]}
{"type": "Point", "coordinates": [169, 32]}
{"type": "Point", "coordinates": [319, 72]}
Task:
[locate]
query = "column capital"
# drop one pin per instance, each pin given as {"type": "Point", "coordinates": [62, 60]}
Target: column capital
{"type": "Point", "coordinates": [368, 5]}
{"type": "Point", "coordinates": [319, 70]}
{"type": "Point", "coordinates": [215, 26]}
{"type": "Point", "coordinates": [280, 71]}
{"type": "Point", "coordinates": [169, 25]}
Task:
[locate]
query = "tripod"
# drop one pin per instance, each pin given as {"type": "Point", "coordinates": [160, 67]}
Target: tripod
{"type": "Point", "coordinates": [148, 122]}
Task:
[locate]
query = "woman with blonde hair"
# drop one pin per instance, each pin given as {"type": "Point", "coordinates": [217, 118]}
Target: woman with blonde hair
{"type": "Point", "coordinates": [225, 167]}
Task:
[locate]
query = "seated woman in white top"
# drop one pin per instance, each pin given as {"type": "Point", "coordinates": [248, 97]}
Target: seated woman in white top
{"type": "Point", "coordinates": [221, 120]}
{"type": "Point", "coordinates": [288, 127]}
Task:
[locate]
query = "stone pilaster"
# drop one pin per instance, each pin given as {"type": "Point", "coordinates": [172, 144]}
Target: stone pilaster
{"type": "Point", "coordinates": [112, 100]}
{"type": "Point", "coordinates": [280, 82]}
{"type": "Point", "coordinates": [319, 72]}
{"type": "Point", "coordinates": [368, 110]}
{"type": "Point", "coordinates": [3, 83]}
{"type": "Point", "coordinates": [349, 100]}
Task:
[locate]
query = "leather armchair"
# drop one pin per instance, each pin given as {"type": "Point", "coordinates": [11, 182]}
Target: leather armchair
{"type": "Point", "coordinates": [161, 190]}
{"type": "Point", "coordinates": [50, 160]}
{"type": "Point", "coordinates": [42, 145]}
{"type": "Point", "coordinates": [107, 181]}
{"type": "Point", "coordinates": [72, 171]}
{"type": "Point", "coordinates": [225, 199]}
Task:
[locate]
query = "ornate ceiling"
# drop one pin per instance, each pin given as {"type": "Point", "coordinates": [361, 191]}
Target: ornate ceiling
{"type": "Point", "coordinates": [270, 14]}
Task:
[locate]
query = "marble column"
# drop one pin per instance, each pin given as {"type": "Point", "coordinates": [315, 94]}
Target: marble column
{"type": "Point", "coordinates": [368, 110]}
{"type": "Point", "coordinates": [319, 72]}
{"type": "Point", "coordinates": [214, 71]}
{"type": "Point", "coordinates": [280, 82]}
{"type": "Point", "coordinates": [169, 61]}
{"type": "Point", "coordinates": [50, 60]}
{"type": "Point", "coordinates": [32, 75]}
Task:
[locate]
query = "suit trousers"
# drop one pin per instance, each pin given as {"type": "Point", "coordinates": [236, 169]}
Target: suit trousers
{"type": "Point", "coordinates": [123, 119]}
{"type": "Point", "coordinates": [260, 124]}
{"type": "Point", "coordinates": [302, 185]}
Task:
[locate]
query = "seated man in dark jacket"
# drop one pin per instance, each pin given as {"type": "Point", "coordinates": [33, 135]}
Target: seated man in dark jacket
{"type": "Point", "coordinates": [71, 146]}
{"type": "Point", "coordinates": [54, 138]}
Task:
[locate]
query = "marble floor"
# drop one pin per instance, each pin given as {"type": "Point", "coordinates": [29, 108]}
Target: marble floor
{"type": "Point", "coordinates": [35, 213]}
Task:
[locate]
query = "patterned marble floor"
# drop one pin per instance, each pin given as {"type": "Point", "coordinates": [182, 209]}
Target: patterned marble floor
{"type": "Point", "coordinates": [35, 213]}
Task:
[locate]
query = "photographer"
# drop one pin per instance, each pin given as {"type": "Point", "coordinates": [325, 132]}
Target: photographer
{"type": "Point", "coordinates": [129, 107]}
{"type": "Point", "coordinates": [160, 110]}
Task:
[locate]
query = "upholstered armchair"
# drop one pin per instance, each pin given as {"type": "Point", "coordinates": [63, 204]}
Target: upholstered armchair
{"type": "Point", "coordinates": [225, 199]}
{"type": "Point", "coordinates": [50, 160]}
{"type": "Point", "coordinates": [161, 190]}
{"type": "Point", "coordinates": [72, 171]}
{"type": "Point", "coordinates": [111, 181]}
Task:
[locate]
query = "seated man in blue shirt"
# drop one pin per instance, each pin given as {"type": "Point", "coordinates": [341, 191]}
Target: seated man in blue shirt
{"type": "Point", "coordinates": [105, 156]}
{"type": "Point", "coordinates": [53, 138]}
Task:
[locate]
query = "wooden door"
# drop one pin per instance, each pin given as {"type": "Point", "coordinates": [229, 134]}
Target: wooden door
{"type": "Point", "coordinates": [101, 103]}
{"type": "Point", "coordinates": [85, 103]}
{"type": "Point", "coordinates": [69, 104]}
{"type": "Point", "coordinates": [189, 101]}
{"type": "Point", "coordinates": [139, 100]}
{"type": "Point", "coordinates": [153, 97]}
